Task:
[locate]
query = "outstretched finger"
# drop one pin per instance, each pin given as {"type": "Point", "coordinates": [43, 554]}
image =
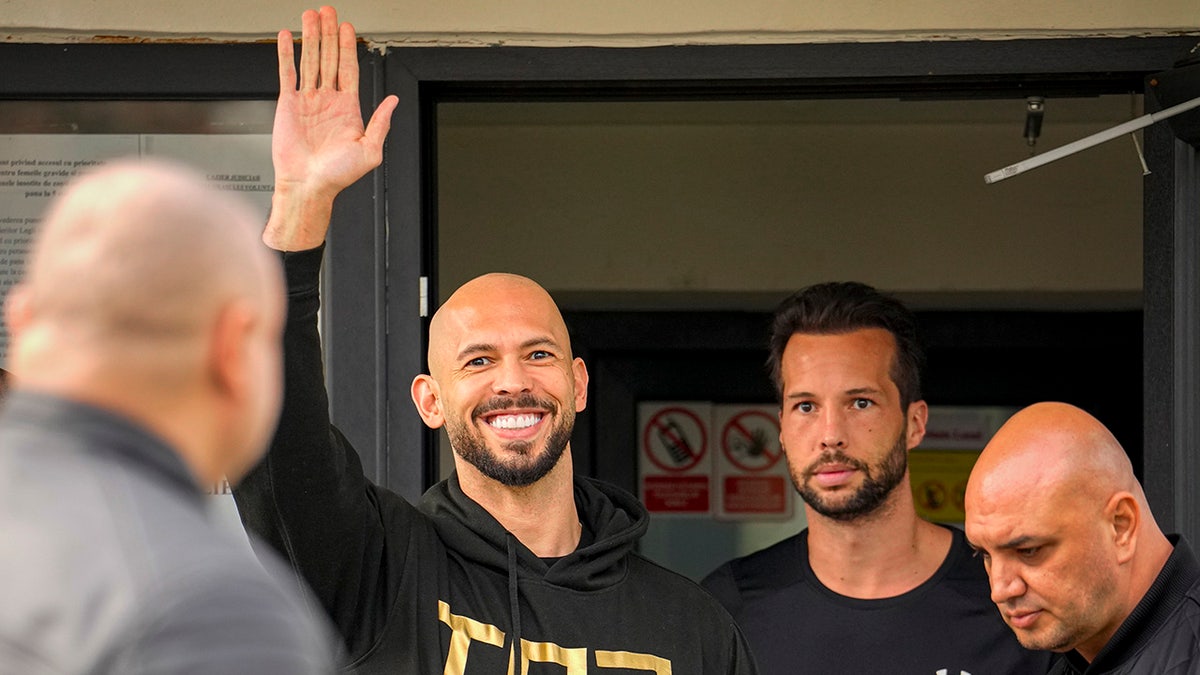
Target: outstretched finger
{"type": "Point", "coordinates": [347, 59]}
{"type": "Point", "coordinates": [310, 49]}
{"type": "Point", "coordinates": [287, 62]}
{"type": "Point", "coordinates": [329, 48]}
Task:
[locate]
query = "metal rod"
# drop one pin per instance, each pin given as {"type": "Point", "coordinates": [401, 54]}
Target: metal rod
{"type": "Point", "coordinates": [1090, 141]}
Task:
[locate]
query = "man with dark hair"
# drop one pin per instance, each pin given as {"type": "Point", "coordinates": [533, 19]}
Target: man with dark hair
{"type": "Point", "coordinates": [868, 587]}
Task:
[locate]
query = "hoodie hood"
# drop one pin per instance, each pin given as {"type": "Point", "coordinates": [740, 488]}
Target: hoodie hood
{"type": "Point", "coordinates": [614, 517]}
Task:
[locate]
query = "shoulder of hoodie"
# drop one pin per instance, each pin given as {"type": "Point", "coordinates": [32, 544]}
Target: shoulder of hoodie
{"type": "Point", "coordinates": [665, 586]}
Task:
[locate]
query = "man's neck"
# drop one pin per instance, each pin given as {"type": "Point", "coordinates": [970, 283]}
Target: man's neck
{"type": "Point", "coordinates": [181, 416]}
{"type": "Point", "coordinates": [542, 516]}
{"type": "Point", "coordinates": [884, 554]}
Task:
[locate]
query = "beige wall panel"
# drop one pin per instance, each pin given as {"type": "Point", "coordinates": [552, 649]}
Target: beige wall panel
{"type": "Point", "coordinates": [621, 22]}
{"type": "Point", "coordinates": [768, 207]}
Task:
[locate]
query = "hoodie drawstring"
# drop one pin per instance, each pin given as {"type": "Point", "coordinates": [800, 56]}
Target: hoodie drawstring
{"type": "Point", "coordinates": [514, 607]}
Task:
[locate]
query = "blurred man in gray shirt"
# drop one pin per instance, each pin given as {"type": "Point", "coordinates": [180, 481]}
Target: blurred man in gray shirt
{"type": "Point", "coordinates": [146, 360]}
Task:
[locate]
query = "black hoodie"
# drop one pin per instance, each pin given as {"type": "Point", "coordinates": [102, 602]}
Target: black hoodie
{"type": "Point", "coordinates": [444, 588]}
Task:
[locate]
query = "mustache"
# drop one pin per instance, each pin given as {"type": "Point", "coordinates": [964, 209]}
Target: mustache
{"type": "Point", "coordinates": [836, 457]}
{"type": "Point", "coordinates": [526, 400]}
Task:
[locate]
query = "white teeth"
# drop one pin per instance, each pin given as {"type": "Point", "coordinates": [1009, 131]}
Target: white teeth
{"type": "Point", "coordinates": [514, 421]}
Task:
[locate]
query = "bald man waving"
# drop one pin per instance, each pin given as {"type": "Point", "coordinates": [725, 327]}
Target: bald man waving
{"type": "Point", "coordinates": [513, 564]}
{"type": "Point", "coordinates": [1076, 561]}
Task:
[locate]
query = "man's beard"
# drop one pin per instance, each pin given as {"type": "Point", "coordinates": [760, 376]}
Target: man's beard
{"type": "Point", "coordinates": [524, 469]}
{"type": "Point", "coordinates": [878, 482]}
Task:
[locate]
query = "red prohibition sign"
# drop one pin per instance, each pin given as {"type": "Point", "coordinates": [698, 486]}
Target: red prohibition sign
{"type": "Point", "coordinates": [756, 443]}
{"type": "Point", "coordinates": [664, 431]}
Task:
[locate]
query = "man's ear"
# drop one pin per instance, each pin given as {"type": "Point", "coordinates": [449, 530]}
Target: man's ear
{"type": "Point", "coordinates": [581, 384]}
{"type": "Point", "coordinates": [17, 310]}
{"type": "Point", "coordinates": [427, 398]}
{"type": "Point", "coordinates": [228, 359]}
{"type": "Point", "coordinates": [918, 416]}
{"type": "Point", "coordinates": [1123, 514]}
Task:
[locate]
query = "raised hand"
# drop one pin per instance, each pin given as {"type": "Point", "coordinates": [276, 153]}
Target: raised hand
{"type": "Point", "coordinates": [319, 145]}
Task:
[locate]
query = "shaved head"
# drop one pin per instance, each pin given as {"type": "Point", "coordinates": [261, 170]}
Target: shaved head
{"type": "Point", "coordinates": [150, 292]}
{"type": "Point", "coordinates": [1064, 528]}
{"type": "Point", "coordinates": [1053, 449]}
{"type": "Point", "coordinates": [483, 297]}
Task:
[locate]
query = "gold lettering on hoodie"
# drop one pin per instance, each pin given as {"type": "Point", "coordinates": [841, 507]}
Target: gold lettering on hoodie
{"type": "Point", "coordinates": [574, 660]}
{"type": "Point", "coordinates": [465, 630]}
{"type": "Point", "coordinates": [633, 661]}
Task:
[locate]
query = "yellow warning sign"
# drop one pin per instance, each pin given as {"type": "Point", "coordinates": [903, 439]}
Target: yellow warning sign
{"type": "Point", "coordinates": [939, 482]}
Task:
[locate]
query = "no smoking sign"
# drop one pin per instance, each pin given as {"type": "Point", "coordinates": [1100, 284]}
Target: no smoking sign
{"type": "Point", "coordinates": [751, 470]}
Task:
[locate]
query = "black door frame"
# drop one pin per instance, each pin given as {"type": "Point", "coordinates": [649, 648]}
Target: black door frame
{"type": "Point", "coordinates": [1171, 360]}
{"type": "Point", "coordinates": [954, 69]}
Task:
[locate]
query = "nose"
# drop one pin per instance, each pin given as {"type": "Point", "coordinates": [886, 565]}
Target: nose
{"type": "Point", "coordinates": [833, 429]}
{"type": "Point", "coordinates": [511, 378]}
{"type": "Point", "coordinates": [1006, 582]}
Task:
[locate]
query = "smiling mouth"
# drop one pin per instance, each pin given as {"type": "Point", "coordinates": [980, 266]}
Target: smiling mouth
{"type": "Point", "coordinates": [515, 422]}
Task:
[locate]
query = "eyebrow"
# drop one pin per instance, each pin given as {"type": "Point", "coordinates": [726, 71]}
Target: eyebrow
{"type": "Point", "coordinates": [849, 392]}
{"type": "Point", "coordinates": [485, 347]}
{"type": "Point", "coordinates": [1018, 542]}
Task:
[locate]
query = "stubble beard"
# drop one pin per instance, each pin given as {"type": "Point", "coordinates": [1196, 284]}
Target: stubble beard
{"type": "Point", "coordinates": [1080, 620]}
{"type": "Point", "coordinates": [526, 466]}
{"type": "Point", "coordinates": [878, 483]}
{"type": "Point", "coordinates": [1060, 638]}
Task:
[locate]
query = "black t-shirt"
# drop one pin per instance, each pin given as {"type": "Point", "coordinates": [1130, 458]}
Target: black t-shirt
{"type": "Point", "coordinates": [946, 626]}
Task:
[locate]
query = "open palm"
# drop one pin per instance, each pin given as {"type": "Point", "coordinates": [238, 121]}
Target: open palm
{"type": "Point", "coordinates": [319, 145]}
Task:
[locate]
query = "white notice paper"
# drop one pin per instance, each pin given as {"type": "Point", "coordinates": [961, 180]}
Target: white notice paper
{"type": "Point", "coordinates": [36, 167]}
